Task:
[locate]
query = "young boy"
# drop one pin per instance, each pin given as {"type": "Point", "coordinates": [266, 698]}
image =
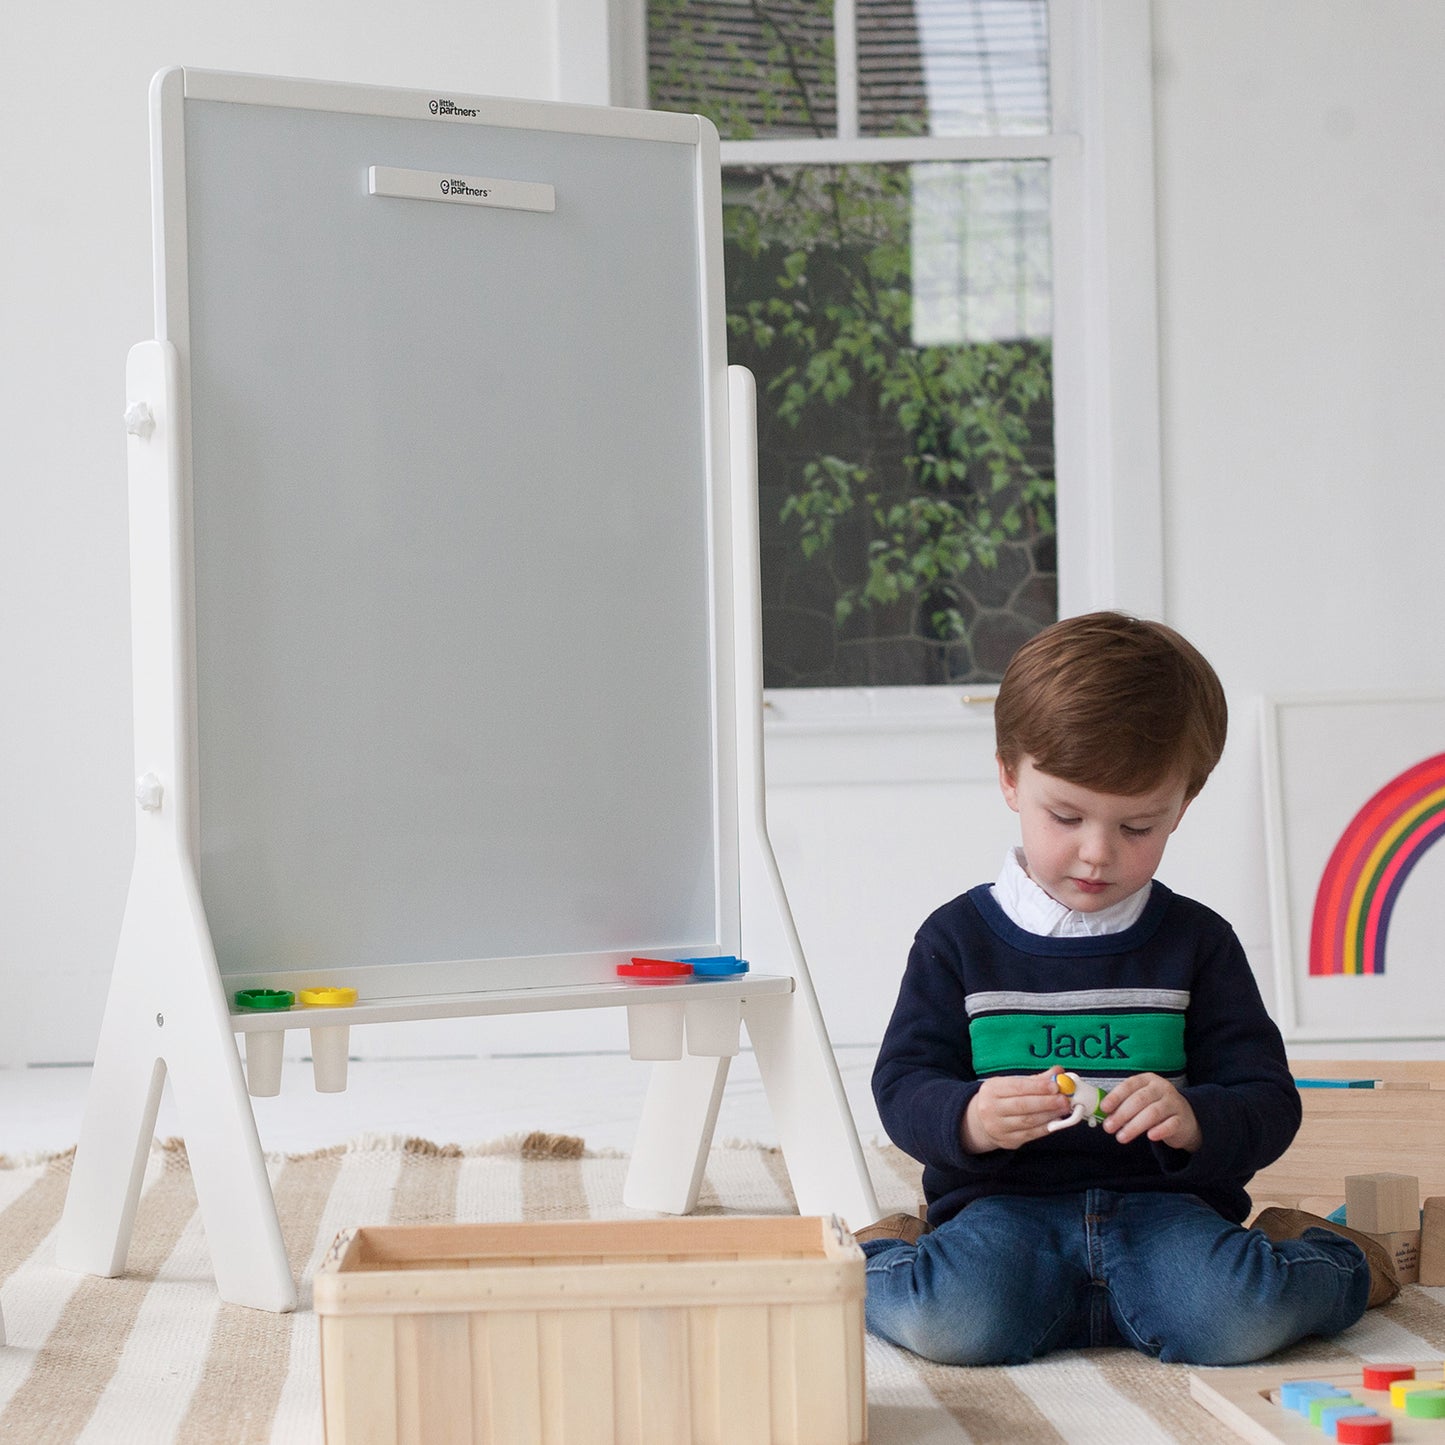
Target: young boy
{"type": "Point", "coordinates": [1042, 1238]}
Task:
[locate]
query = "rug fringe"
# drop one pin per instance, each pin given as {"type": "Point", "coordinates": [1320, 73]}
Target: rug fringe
{"type": "Point", "coordinates": [535, 1145]}
{"type": "Point", "coordinates": [539, 1145]}
{"type": "Point", "coordinates": [39, 1158]}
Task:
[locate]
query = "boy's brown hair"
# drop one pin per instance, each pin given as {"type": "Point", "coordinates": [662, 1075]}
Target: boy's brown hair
{"type": "Point", "coordinates": [1111, 703]}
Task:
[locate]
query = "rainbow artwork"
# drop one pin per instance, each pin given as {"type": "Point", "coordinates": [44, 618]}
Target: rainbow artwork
{"type": "Point", "coordinates": [1369, 865]}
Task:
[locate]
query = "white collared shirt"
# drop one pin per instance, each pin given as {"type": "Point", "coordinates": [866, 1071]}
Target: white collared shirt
{"type": "Point", "coordinates": [1033, 910]}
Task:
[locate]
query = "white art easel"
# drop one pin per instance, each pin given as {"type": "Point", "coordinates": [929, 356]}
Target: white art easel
{"type": "Point", "coordinates": [446, 632]}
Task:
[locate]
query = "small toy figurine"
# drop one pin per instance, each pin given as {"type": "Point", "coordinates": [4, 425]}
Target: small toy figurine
{"type": "Point", "coordinates": [1087, 1102]}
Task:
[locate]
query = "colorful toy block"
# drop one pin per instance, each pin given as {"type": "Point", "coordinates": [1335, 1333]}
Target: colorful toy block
{"type": "Point", "coordinates": [1399, 1404]}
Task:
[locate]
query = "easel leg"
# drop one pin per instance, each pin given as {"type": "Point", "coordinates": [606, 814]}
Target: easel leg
{"type": "Point", "coordinates": [110, 1159]}
{"type": "Point", "coordinates": [233, 1189]}
{"type": "Point", "coordinates": [166, 1010]}
{"type": "Point", "coordinates": [815, 1126]}
{"type": "Point", "coordinates": [675, 1133]}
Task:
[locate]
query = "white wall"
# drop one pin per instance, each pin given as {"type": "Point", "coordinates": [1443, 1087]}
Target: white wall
{"type": "Point", "coordinates": [1301, 280]}
{"type": "Point", "coordinates": [873, 829]}
{"type": "Point", "coordinates": [1301, 300]}
{"type": "Point", "coordinates": [75, 294]}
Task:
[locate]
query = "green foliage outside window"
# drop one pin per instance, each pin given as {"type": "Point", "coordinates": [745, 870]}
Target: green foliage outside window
{"type": "Point", "coordinates": [907, 489]}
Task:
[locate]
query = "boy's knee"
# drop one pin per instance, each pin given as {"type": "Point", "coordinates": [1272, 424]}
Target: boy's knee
{"type": "Point", "coordinates": [949, 1337]}
{"type": "Point", "coordinates": [1241, 1340]}
{"type": "Point", "coordinates": [952, 1321]}
{"type": "Point", "coordinates": [1258, 1302]}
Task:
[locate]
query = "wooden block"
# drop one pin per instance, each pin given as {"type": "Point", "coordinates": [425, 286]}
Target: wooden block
{"type": "Point", "coordinates": [1432, 1241]}
{"type": "Point", "coordinates": [1403, 1247]}
{"type": "Point", "coordinates": [1382, 1203]}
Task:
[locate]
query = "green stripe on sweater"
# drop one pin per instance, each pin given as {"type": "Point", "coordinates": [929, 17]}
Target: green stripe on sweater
{"type": "Point", "coordinates": [1113, 1043]}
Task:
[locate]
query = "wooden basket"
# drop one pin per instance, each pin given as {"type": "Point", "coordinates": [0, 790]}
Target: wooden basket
{"type": "Point", "coordinates": [740, 1331]}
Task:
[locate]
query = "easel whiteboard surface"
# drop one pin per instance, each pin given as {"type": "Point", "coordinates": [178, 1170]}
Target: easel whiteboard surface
{"type": "Point", "coordinates": [454, 486]}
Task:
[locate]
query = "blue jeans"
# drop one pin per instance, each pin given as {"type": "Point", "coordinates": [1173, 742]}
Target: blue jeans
{"type": "Point", "coordinates": [1012, 1277]}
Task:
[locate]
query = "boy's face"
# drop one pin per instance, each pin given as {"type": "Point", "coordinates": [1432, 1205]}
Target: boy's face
{"type": "Point", "coordinates": [1089, 850]}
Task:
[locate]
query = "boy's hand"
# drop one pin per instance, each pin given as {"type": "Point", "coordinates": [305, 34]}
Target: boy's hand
{"type": "Point", "coordinates": [1008, 1112]}
{"type": "Point", "coordinates": [1149, 1105]}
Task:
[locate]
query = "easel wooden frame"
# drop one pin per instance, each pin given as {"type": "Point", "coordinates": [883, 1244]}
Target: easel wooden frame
{"type": "Point", "coordinates": [167, 1010]}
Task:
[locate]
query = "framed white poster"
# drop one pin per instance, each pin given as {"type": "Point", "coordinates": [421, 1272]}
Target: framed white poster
{"type": "Point", "coordinates": [1355, 802]}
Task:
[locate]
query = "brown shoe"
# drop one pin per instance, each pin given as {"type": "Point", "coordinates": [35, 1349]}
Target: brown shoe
{"type": "Point", "coordinates": [907, 1227]}
{"type": "Point", "coordinates": [1291, 1224]}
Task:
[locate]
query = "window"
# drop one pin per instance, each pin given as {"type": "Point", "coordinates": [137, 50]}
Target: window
{"type": "Point", "coordinates": [889, 191]}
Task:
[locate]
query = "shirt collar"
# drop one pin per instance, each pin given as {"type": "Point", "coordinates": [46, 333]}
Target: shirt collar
{"type": "Point", "coordinates": [1033, 910]}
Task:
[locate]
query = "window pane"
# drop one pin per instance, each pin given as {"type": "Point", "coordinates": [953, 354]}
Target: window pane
{"type": "Point", "coordinates": [980, 244]}
{"type": "Point", "coordinates": [762, 69]}
{"type": "Point", "coordinates": [896, 318]}
{"type": "Point", "coordinates": [953, 67]}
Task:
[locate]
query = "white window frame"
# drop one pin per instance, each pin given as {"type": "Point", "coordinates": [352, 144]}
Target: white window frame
{"type": "Point", "coordinates": [1105, 334]}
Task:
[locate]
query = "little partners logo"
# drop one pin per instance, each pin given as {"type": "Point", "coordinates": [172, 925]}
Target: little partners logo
{"type": "Point", "coordinates": [464, 188]}
{"type": "Point", "coordinates": [450, 107]}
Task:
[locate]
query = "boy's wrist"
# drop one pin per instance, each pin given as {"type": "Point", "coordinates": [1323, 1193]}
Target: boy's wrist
{"type": "Point", "coordinates": [974, 1136]}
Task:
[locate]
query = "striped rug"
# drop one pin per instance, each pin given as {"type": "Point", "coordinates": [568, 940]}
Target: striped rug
{"type": "Point", "coordinates": [155, 1357]}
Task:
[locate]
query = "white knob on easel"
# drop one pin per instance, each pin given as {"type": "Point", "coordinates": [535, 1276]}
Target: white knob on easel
{"type": "Point", "coordinates": [140, 420]}
{"type": "Point", "coordinates": [149, 792]}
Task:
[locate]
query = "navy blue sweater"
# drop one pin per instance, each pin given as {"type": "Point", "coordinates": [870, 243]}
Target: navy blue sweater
{"type": "Point", "coordinates": [1172, 995]}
